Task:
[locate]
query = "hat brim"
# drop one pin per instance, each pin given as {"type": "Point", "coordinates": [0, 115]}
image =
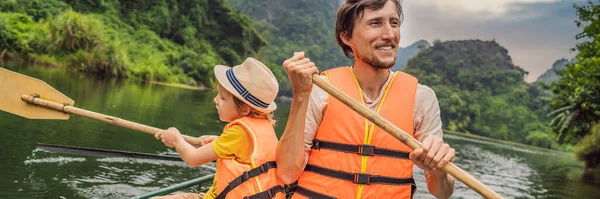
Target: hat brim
{"type": "Point", "coordinates": [222, 78]}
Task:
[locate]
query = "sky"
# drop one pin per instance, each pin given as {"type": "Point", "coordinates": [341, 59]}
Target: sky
{"type": "Point", "coordinates": [536, 33]}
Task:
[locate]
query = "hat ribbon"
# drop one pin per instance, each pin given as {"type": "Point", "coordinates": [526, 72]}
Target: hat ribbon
{"type": "Point", "coordinates": [243, 91]}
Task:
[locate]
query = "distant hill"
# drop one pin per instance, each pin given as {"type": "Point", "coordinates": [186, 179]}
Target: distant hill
{"type": "Point", "coordinates": [469, 64]}
{"type": "Point", "coordinates": [404, 54]}
{"type": "Point", "coordinates": [296, 25]}
{"type": "Point", "coordinates": [481, 91]}
{"type": "Point", "coordinates": [550, 75]}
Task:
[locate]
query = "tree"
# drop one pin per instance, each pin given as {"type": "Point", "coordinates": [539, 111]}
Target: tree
{"type": "Point", "coordinates": [577, 92]}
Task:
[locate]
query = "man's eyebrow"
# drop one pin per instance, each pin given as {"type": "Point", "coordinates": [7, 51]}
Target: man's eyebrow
{"type": "Point", "coordinates": [380, 18]}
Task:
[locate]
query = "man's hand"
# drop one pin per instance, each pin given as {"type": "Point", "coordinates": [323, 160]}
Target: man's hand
{"type": "Point", "coordinates": [434, 155]}
{"type": "Point", "coordinates": [300, 70]}
{"type": "Point", "coordinates": [169, 137]}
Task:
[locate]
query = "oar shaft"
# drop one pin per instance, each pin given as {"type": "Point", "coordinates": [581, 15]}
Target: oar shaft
{"type": "Point", "coordinates": [405, 138]}
{"type": "Point", "coordinates": [75, 150]}
{"type": "Point", "coordinates": [100, 117]}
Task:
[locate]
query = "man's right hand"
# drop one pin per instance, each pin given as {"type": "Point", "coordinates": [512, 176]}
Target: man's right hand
{"type": "Point", "coordinates": [300, 70]}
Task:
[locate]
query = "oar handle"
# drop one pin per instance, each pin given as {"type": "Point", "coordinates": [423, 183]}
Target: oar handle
{"type": "Point", "coordinates": [101, 117]}
{"type": "Point", "coordinates": [405, 138]}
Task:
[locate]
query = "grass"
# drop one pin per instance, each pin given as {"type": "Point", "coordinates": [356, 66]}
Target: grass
{"type": "Point", "coordinates": [183, 86]}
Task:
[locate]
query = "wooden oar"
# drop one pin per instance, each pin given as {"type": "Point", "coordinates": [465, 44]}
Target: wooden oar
{"type": "Point", "coordinates": [74, 150]}
{"type": "Point", "coordinates": [34, 99]}
{"type": "Point", "coordinates": [177, 187]}
{"type": "Point", "coordinates": [398, 133]}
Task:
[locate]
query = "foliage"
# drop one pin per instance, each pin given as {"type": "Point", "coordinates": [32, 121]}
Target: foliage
{"type": "Point", "coordinates": [588, 148]}
{"type": "Point", "coordinates": [577, 93]}
{"type": "Point", "coordinates": [480, 91]}
{"type": "Point", "coordinates": [19, 33]}
{"type": "Point", "coordinates": [36, 9]}
{"type": "Point", "coordinates": [163, 40]}
{"type": "Point", "coordinates": [292, 26]}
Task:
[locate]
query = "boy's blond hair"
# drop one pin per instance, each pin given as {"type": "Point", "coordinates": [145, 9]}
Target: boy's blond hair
{"type": "Point", "coordinates": [242, 107]}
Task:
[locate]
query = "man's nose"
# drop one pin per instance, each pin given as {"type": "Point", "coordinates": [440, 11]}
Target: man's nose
{"type": "Point", "coordinates": [388, 32]}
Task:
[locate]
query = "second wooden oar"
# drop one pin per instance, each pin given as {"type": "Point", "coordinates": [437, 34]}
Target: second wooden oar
{"type": "Point", "coordinates": [176, 187]}
{"type": "Point", "coordinates": [34, 99]}
{"type": "Point", "coordinates": [74, 150]}
{"type": "Point", "coordinates": [398, 133]}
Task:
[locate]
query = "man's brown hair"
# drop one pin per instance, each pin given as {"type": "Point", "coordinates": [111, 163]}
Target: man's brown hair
{"type": "Point", "coordinates": [353, 10]}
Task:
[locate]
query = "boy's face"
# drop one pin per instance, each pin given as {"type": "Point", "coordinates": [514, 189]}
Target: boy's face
{"type": "Point", "coordinates": [226, 106]}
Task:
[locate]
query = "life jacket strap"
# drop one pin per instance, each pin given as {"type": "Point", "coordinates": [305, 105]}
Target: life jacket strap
{"type": "Point", "coordinates": [269, 193]}
{"type": "Point", "coordinates": [361, 149]}
{"type": "Point", "coordinates": [263, 168]}
{"type": "Point", "coordinates": [295, 189]}
{"type": "Point", "coordinates": [358, 178]}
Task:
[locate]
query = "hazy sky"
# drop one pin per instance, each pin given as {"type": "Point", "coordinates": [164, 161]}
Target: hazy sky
{"type": "Point", "coordinates": [536, 33]}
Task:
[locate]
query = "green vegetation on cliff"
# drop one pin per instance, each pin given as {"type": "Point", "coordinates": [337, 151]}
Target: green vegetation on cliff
{"type": "Point", "coordinates": [481, 92]}
{"type": "Point", "coordinates": [164, 40]}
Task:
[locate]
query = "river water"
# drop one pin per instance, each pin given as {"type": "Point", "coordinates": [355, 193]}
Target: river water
{"type": "Point", "coordinates": [27, 172]}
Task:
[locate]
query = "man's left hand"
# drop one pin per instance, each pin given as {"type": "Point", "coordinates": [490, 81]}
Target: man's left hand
{"type": "Point", "coordinates": [434, 155]}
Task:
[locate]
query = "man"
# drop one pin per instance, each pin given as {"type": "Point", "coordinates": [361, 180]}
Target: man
{"type": "Point", "coordinates": [333, 152]}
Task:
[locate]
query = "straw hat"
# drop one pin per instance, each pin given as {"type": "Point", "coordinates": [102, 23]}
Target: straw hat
{"type": "Point", "coordinates": [252, 82]}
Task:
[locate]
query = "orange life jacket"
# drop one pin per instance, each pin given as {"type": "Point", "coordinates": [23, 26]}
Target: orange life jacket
{"type": "Point", "coordinates": [353, 158]}
{"type": "Point", "coordinates": [257, 179]}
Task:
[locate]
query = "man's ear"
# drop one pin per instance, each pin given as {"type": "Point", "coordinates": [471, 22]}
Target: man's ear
{"type": "Point", "coordinates": [344, 37]}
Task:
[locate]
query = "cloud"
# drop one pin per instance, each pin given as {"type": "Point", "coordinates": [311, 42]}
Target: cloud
{"type": "Point", "coordinates": [535, 32]}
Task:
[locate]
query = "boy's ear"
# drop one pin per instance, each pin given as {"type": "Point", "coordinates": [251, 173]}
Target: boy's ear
{"type": "Point", "coordinates": [245, 109]}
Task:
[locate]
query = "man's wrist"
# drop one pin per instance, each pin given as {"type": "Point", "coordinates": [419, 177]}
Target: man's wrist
{"type": "Point", "coordinates": [439, 174]}
{"type": "Point", "coordinates": [300, 96]}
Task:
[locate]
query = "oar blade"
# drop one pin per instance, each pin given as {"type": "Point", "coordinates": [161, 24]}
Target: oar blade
{"type": "Point", "coordinates": [13, 85]}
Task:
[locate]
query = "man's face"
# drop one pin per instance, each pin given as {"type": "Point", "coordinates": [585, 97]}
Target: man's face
{"type": "Point", "coordinates": [376, 36]}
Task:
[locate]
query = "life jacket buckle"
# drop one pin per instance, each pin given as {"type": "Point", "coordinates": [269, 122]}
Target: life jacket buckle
{"type": "Point", "coordinates": [362, 178]}
{"type": "Point", "coordinates": [365, 149]}
{"type": "Point", "coordinates": [271, 193]}
{"type": "Point", "coordinates": [290, 188]}
{"type": "Point", "coordinates": [264, 167]}
{"type": "Point", "coordinates": [245, 176]}
{"type": "Point", "coordinates": [316, 145]}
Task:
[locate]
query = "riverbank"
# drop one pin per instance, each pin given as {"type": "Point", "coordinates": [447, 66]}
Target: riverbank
{"type": "Point", "coordinates": [183, 86]}
{"type": "Point", "coordinates": [505, 142]}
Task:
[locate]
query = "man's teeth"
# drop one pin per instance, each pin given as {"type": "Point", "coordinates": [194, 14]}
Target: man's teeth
{"type": "Point", "coordinates": [384, 48]}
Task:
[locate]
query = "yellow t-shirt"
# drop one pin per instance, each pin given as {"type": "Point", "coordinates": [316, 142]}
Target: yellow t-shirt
{"type": "Point", "coordinates": [232, 143]}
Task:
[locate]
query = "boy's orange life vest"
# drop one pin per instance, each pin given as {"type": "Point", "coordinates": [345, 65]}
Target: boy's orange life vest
{"type": "Point", "coordinates": [352, 158]}
{"type": "Point", "coordinates": [257, 179]}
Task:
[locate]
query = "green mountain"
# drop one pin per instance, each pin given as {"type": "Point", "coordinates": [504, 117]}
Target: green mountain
{"type": "Point", "coordinates": [481, 91]}
{"type": "Point", "coordinates": [550, 75]}
{"type": "Point", "coordinates": [164, 40]}
{"type": "Point", "coordinates": [404, 54]}
{"type": "Point", "coordinates": [296, 25]}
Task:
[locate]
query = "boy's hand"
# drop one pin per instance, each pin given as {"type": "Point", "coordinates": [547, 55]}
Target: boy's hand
{"type": "Point", "coordinates": [205, 139]}
{"type": "Point", "coordinates": [300, 70]}
{"type": "Point", "coordinates": [169, 137]}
